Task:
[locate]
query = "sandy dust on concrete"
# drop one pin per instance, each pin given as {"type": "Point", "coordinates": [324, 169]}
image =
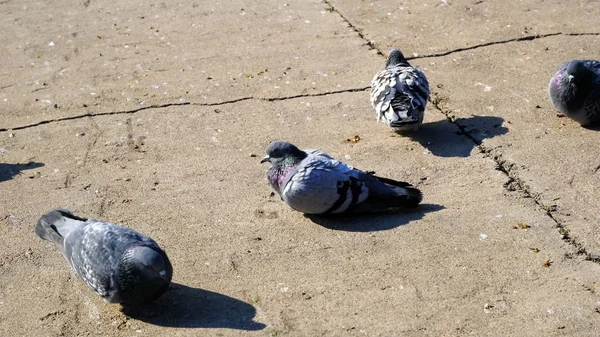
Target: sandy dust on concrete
{"type": "Point", "coordinates": [155, 115]}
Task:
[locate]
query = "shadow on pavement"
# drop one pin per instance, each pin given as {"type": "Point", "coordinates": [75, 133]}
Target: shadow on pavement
{"type": "Point", "coordinates": [186, 307]}
{"type": "Point", "coordinates": [9, 171]}
{"type": "Point", "coordinates": [444, 139]}
{"type": "Point", "coordinates": [593, 127]}
{"type": "Point", "coordinates": [371, 222]}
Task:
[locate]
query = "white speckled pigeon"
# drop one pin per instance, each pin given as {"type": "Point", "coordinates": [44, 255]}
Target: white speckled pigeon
{"type": "Point", "coordinates": [312, 182]}
{"type": "Point", "coordinates": [575, 91]}
{"type": "Point", "coordinates": [121, 265]}
{"type": "Point", "coordinates": [399, 94]}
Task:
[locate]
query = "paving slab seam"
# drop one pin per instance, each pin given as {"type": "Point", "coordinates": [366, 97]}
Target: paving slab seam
{"type": "Point", "coordinates": [507, 167]}
{"type": "Point", "coordinates": [326, 93]}
{"type": "Point", "coordinates": [503, 165]}
{"type": "Point", "coordinates": [166, 105]}
{"type": "Point", "coordinates": [493, 43]}
{"type": "Point", "coordinates": [372, 45]}
{"type": "Point", "coordinates": [48, 121]}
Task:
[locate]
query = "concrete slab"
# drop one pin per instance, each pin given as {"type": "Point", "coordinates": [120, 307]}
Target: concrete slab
{"type": "Point", "coordinates": [504, 242]}
{"type": "Point", "coordinates": [245, 262]}
{"type": "Point", "coordinates": [64, 60]}
{"type": "Point", "coordinates": [435, 27]}
{"type": "Point", "coordinates": [552, 158]}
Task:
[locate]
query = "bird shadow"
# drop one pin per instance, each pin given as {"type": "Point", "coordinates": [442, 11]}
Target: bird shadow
{"type": "Point", "coordinates": [9, 171]}
{"type": "Point", "coordinates": [592, 127]}
{"type": "Point", "coordinates": [372, 222]}
{"type": "Point", "coordinates": [444, 139]}
{"type": "Point", "coordinates": [186, 307]}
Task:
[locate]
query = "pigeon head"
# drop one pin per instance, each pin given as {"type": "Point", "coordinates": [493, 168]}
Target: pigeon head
{"type": "Point", "coordinates": [578, 73]}
{"type": "Point", "coordinates": [145, 274]}
{"type": "Point", "coordinates": [395, 58]}
{"type": "Point", "coordinates": [281, 153]}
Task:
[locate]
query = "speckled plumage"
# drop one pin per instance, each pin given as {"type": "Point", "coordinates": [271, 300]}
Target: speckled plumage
{"type": "Point", "coordinates": [574, 90]}
{"type": "Point", "coordinates": [312, 182]}
{"type": "Point", "coordinates": [399, 94]}
{"type": "Point", "coordinates": [118, 263]}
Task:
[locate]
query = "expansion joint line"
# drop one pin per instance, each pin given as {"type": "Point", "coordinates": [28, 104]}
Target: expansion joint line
{"type": "Point", "coordinates": [166, 105]}
{"type": "Point", "coordinates": [507, 168]}
{"type": "Point", "coordinates": [373, 46]}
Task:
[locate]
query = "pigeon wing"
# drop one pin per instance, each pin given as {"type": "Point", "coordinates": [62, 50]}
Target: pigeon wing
{"type": "Point", "coordinates": [382, 91]}
{"type": "Point", "coordinates": [95, 253]}
{"type": "Point", "coordinates": [391, 87]}
{"type": "Point", "coordinates": [323, 185]}
{"type": "Point", "coordinates": [413, 83]}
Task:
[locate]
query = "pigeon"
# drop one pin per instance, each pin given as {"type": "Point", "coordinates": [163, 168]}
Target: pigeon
{"type": "Point", "coordinates": [312, 182]}
{"type": "Point", "coordinates": [399, 94]}
{"type": "Point", "coordinates": [120, 264]}
{"type": "Point", "coordinates": [574, 91]}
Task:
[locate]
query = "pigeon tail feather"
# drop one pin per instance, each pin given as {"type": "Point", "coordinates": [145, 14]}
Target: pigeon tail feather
{"type": "Point", "coordinates": [410, 195]}
{"type": "Point", "coordinates": [56, 224]}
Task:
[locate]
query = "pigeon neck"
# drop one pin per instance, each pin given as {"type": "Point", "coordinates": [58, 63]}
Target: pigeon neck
{"type": "Point", "coordinates": [280, 173]}
{"type": "Point", "coordinates": [396, 61]}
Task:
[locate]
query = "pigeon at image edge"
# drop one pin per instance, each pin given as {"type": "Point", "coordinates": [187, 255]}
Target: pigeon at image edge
{"type": "Point", "coordinates": [574, 90]}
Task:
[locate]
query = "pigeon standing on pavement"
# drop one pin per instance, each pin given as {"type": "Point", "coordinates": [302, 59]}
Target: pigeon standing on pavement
{"type": "Point", "coordinates": [312, 182]}
{"type": "Point", "coordinates": [399, 94]}
{"type": "Point", "coordinates": [574, 91]}
{"type": "Point", "coordinates": [120, 264]}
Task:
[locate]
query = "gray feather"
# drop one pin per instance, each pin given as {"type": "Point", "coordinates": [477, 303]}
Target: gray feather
{"type": "Point", "coordinates": [399, 94]}
{"type": "Point", "coordinates": [55, 225]}
{"type": "Point", "coordinates": [312, 182]}
{"type": "Point", "coordinates": [120, 264]}
{"type": "Point", "coordinates": [574, 90]}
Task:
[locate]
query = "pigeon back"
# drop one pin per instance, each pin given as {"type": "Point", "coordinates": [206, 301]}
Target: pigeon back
{"type": "Point", "coordinates": [399, 96]}
{"type": "Point", "coordinates": [95, 253]}
{"type": "Point", "coordinates": [323, 185]}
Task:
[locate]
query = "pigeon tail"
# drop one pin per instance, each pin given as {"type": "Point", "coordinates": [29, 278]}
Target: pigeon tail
{"type": "Point", "coordinates": [404, 196]}
{"type": "Point", "coordinates": [56, 224]}
{"type": "Point", "coordinates": [410, 196]}
{"type": "Point", "coordinates": [413, 197]}
{"type": "Point", "coordinates": [402, 113]}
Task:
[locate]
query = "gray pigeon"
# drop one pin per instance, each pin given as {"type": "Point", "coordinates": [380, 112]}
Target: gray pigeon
{"type": "Point", "coordinates": [399, 94]}
{"type": "Point", "coordinates": [312, 182]}
{"type": "Point", "coordinates": [121, 265]}
{"type": "Point", "coordinates": [575, 91]}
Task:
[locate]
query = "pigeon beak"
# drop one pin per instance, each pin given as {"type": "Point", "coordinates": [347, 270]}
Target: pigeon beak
{"type": "Point", "coordinates": [571, 77]}
{"type": "Point", "coordinates": [265, 159]}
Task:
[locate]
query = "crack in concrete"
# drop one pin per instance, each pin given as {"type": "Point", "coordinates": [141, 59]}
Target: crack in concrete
{"type": "Point", "coordinates": [508, 168]}
{"type": "Point", "coordinates": [355, 29]}
{"type": "Point", "coordinates": [224, 102]}
{"type": "Point", "coordinates": [166, 105]}
{"type": "Point", "coordinates": [47, 121]}
{"type": "Point", "coordinates": [492, 43]}
{"type": "Point", "coordinates": [502, 164]}
{"type": "Point", "coordinates": [326, 93]}
{"type": "Point", "coordinates": [372, 45]}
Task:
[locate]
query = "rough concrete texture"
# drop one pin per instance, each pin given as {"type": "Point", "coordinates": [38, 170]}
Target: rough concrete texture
{"type": "Point", "coordinates": [155, 115]}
